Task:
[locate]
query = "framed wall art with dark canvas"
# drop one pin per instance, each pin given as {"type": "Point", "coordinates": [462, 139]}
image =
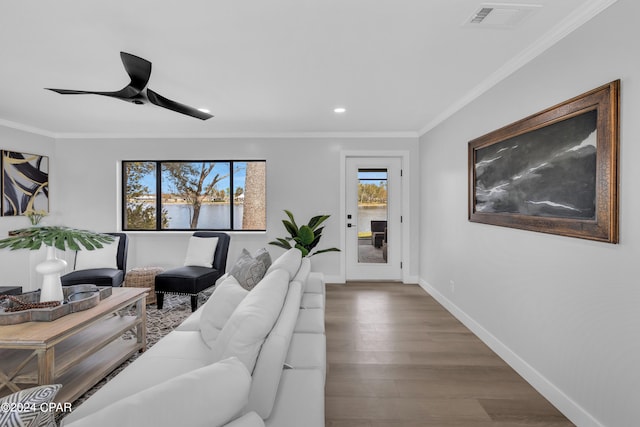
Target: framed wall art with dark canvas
{"type": "Point", "coordinates": [553, 172]}
{"type": "Point", "coordinates": [25, 183]}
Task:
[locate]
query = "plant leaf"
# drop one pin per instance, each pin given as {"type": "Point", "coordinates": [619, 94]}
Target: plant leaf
{"type": "Point", "coordinates": [290, 227]}
{"type": "Point", "coordinates": [282, 243]}
{"type": "Point", "coordinates": [293, 221]}
{"type": "Point", "coordinates": [325, 250]}
{"type": "Point", "coordinates": [306, 236]}
{"type": "Point", "coordinates": [302, 249]}
{"type": "Point", "coordinates": [317, 220]}
{"type": "Point", "coordinates": [59, 237]}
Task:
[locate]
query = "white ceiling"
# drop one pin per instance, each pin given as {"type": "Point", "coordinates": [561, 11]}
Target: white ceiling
{"type": "Point", "coordinates": [262, 67]}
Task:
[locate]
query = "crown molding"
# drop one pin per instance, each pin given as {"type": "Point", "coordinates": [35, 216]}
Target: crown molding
{"type": "Point", "coordinates": [232, 135]}
{"type": "Point", "coordinates": [26, 128]}
{"type": "Point", "coordinates": [221, 135]}
{"type": "Point", "coordinates": [572, 22]}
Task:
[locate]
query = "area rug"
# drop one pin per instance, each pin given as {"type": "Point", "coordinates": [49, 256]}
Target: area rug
{"type": "Point", "coordinates": [369, 253]}
{"type": "Point", "coordinates": [159, 323]}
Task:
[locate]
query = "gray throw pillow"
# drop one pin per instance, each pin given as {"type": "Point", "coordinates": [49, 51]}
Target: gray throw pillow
{"type": "Point", "coordinates": [23, 408]}
{"type": "Point", "coordinates": [248, 270]}
{"type": "Point", "coordinates": [263, 256]}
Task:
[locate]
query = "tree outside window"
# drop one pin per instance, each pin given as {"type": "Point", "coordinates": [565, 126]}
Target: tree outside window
{"type": "Point", "coordinates": [194, 195]}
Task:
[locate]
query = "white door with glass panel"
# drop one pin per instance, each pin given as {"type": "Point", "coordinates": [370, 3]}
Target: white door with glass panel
{"type": "Point", "coordinates": [373, 218]}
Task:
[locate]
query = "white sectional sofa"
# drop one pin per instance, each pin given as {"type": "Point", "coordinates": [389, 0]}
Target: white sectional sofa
{"type": "Point", "coordinates": [245, 358]}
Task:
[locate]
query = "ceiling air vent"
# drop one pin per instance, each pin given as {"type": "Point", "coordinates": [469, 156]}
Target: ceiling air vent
{"type": "Point", "coordinates": [481, 15]}
{"type": "Point", "coordinates": [500, 15]}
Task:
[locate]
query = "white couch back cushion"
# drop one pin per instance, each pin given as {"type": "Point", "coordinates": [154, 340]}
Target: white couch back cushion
{"type": "Point", "coordinates": [245, 331]}
{"type": "Point", "coordinates": [268, 370]}
{"type": "Point", "coordinates": [219, 308]}
{"type": "Point", "coordinates": [289, 261]}
{"type": "Point", "coordinates": [303, 273]}
{"type": "Point", "coordinates": [208, 397]}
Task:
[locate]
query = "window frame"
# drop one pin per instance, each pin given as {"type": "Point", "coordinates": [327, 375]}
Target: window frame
{"type": "Point", "coordinates": [158, 196]}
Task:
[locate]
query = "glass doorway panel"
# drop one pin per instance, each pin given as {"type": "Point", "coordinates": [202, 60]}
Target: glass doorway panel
{"type": "Point", "coordinates": [372, 216]}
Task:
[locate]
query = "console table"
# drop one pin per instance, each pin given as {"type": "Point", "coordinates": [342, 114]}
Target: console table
{"type": "Point", "coordinates": [76, 350]}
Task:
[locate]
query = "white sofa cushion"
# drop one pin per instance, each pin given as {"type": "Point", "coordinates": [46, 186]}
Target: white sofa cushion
{"type": "Point", "coordinates": [315, 283]}
{"type": "Point", "coordinates": [247, 420]}
{"type": "Point", "coordinates": [200, 251]}
{"type": "Point", "coordinates": [295, 408]}
{"type": "Point", "coordinates": [303, 273]}
{"type": "Point", "coordinates": [308, 351]}
{"type": "Point", "coordinates": [219, 307]}
{"type": "Point", "coordinates": [191, 323]}
{"type": "Point", "coordinates": [105, 257]}
{"type": "Point", "coordinates": [289, 261]}
{"type": "Point", "coordinates": [245, 331]}
{"type": "Point", "coordinates": [209, 396]}
{"type": "Point", "coordinates": [310, 320]}
{"type": "Point", "coordinates": [268, 369]}
{"type": "Point", "coordinates": [149, 369]}
{"type": "Point", "coordinates": [187, 345]}
{"type": "Point", "coordinates": [310, 300]}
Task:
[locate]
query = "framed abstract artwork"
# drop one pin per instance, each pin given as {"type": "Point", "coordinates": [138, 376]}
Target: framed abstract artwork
{"type": "Point", "coordinates": [553, 172]}
{"type": "Point", "coordinates": [25, 183]}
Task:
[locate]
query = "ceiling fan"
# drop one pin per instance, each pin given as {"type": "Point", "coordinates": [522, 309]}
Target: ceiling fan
{"type": "Point", "coordinates": [137, 92]}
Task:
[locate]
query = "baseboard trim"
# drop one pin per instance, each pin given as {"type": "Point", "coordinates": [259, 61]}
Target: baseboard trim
{"type": "Point", "coordinates": [341, 280]}
{"type": "Point", "coordinates": [574, 412]}
{"type": "Point", "coordinates": [334, 279]}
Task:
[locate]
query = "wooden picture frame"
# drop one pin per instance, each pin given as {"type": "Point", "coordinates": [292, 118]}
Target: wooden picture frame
{"type": "Point", "coordinates": [553, 172]}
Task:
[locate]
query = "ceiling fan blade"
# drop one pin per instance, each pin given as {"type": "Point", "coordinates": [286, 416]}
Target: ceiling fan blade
{"type": "Point", "coordinates": [161, 101]}
{"type": "Point", "coordinates": [127, 94]}
{"type": "Point", "coordinates": [73, 92]}
{"type": "Point", "coordinates": [138, 69]}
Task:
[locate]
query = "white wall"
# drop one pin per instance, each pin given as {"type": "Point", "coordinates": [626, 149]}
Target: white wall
{"type": "Point", "coordinates": [17, 267]}
{"type": "Point", "coordinates": [302, 176]}
{"type": "Point", "coordinates": [564, 312]}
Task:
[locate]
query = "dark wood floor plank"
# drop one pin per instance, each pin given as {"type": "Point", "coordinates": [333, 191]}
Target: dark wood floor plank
{"type": "Point", "coordinates": [397, 358]}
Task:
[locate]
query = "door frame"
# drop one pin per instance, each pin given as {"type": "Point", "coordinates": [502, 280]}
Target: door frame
{"type": "Point", "coordinates": [404, 208]}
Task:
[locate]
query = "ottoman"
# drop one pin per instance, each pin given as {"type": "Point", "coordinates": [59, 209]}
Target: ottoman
{"type": "Point", "coordinates": [143, 277]}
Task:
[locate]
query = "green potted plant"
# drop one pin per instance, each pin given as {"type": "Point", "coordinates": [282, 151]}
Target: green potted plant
{"type": "Point", "coordinates": [53, 237]}
{"type": "Point", "coordinates": [305, 237]}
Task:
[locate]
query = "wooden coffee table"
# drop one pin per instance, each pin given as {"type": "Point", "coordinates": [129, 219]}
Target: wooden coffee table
{"type": "Point", "coordinates": [76, 350]}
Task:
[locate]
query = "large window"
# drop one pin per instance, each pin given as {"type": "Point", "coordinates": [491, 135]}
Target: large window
{"type": "Point", "coordinates": [189, 195]}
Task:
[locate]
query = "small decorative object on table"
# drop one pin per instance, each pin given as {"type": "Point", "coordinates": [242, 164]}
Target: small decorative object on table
{"type": "Point", "coordinates": [54, 237]}
{"type": "Point", "coordinates": [26, 308]}
{"type": "Point", "coordinates": [10, 290]}
{"type": "Point", "coordinates": [19, 305]}
{"type": "Point", "coordinates": [143, 277]}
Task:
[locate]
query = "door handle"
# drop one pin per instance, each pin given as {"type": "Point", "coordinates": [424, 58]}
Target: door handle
{"type": "Point", "coordinates": [349, 225]}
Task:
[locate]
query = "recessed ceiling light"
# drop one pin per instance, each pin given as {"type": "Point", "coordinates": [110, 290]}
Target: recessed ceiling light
{"type": "Point", "coordinates": [339, 110]}
{"type": "Point", "coordinates": [204, 110]}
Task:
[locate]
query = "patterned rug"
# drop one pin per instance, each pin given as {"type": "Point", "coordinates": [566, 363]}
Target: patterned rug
{"type": "Point", "coordinates": [369, 253]}
{"type": "Point", "coordinates": [159, 323]}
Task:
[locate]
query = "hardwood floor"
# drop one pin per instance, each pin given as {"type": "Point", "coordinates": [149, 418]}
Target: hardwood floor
{"type": "Point", "coordinates": [397, 358]}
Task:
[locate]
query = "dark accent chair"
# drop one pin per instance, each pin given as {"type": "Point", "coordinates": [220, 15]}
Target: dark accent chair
{"type": "Point", "coordinates": [191, 280]}
{"type": "Point", "coordinates": [102, 276]}
{"type": "Point", "coordinates": [377, 232]}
